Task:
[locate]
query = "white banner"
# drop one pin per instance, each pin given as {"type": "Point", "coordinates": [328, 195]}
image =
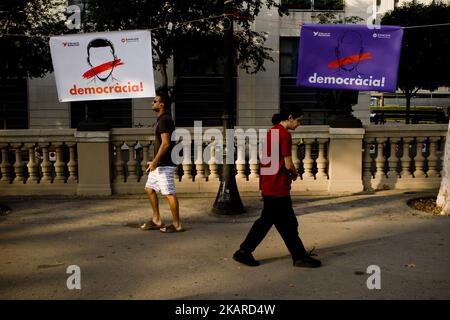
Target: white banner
{"type": "Point", "coordinates": [99, 66]}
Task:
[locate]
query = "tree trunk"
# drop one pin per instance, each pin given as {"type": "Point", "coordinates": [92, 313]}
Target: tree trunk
{"type": "Point", "coordinates": [443, 198]}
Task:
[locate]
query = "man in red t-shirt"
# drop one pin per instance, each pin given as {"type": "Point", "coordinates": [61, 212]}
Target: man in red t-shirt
{"type": "Point", "coordinates": [277, 173]}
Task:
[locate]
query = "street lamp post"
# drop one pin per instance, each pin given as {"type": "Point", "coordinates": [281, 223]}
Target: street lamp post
{"type": "Point", "coordinates": [228, 200]}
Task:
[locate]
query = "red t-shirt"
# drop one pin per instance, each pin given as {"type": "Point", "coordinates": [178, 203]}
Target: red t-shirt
{"type": "Point", "coordinates": [274, 178]}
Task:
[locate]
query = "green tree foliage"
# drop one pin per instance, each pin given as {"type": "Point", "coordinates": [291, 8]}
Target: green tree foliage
{"type": "Point", "coordinates": [424, 60]}
{"type": "Point", "coordinates": [24, 29]}
{"type": "Point", "coordinates": [171, 31]}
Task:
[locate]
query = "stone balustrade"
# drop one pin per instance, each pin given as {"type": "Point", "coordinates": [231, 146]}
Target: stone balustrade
{"type": "Point", "coordinates": [35, 162]}
{"type": "Point", "coordinates": [403, 158]}
{"type": "Point", "coordinates": [329, 160]}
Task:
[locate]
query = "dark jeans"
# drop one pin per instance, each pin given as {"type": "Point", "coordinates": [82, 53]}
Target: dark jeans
{"type": "Point", "coordinates": [277, 211]}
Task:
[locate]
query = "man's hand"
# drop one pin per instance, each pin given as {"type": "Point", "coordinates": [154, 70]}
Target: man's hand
{"type": "Point", "coordinates": [294, 175]}
{"type": "Point", "coordinates": [151, 165]}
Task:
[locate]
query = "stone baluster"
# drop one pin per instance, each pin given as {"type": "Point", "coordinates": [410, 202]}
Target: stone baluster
{"type": "Point", "coordinates": [46, 165]}
{"type": "Point", "coordinates": [308, 161]}
{"type": "Point", "coordinates": [392, 160]}
{"type": "Point", "coordinates": [379, 160]}
{"type": "Point", "coordinates": [432, 158]}
{"type": "Point", "coordinates": [72, 165]}
{"type": "Point", "coordinates": [33, 165]}
{"type": "Point", "coordinates": [212, 163]}
{"type": "Point", "coordinates": [59, 164]}
{"type": "Point", "coordinates": [253, 159]}
{"type": "Point", "coordinates": [240, 162]}
{"type": "Point", "coordinates": [19, 165]}
{"type": "Point", "coordinates": [440, 154]}
{"type": "Point", "coordinates": [367, 165]}
{"type": "Point", "coordinates": [419, 160]}
{"type": "Point", "coordinates": [132, 163]}
{"type": "Point", "coordinates": [321, 160]}
{"type": "Point", "coordinates": [199, 165]}
{"type": "Point", "coordinates": [295, 159]}
{"type": "Point", "coordinates": [187, 162]}
{"type": "Point", "coordinates": [405, 160]}
{"type": "Point", "coordinates": [5, 165]}
{"type": "Point", "coordinates": [118, 164]}
{"type": "Point", "coordinates": [145, 149]}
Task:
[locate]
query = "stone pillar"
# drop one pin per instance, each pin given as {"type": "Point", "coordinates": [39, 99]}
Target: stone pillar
{"type": "Point", "coordinates": [145, 148]}
{"type": "Point", "coordinates": [213, 166]}
{"type": "Point", "coordinates": [367, 166]}
{"type": "Point", "coordinates": [345, 160]}
{"type": "Point", "coordinates": [308, 161]}
{"type": "Point", "coordinates": [187, 162]}
{"type": "Point", "coordinates": [432, 158]}
{"type": "Point", "coordinates": [19, 165]}
{"type": "Point", "coordinates": [393, 160]}
{"type": "Point", "coordinates": [94, 163]}
{"type": "Point", "coordinates": [379, 160]}
{"type": "Point", "coordinates": [118, 163]}
{"type": "Point", "coordinates": [72, 165]}
{"type": "Point", "coordinates": [253, 160]}
{"type": "Point", "coordinates": [321, 161]}
{"type": "Point", "coordinates": [419, 160]}
{"type": "Point", "coordinates": [199, 165]}
{"type": "Point", "coordinates": [46, 165]}
{"type": "Point", "coordinates": [33, 169]}
{"type": "Point", "coordinates": [132, 162]}
{"type": "Point", "coordinates": [59, 164]}
{"type": "Point", "coordinates": [405, 160]}
{"type": "Point", "coordinates": [240, 162]}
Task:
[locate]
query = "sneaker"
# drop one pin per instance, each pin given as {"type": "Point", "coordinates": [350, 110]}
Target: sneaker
{"type": "Point", "coordinates": [307, 262]}
{"type": "Point", "coordinates": [245, 258]}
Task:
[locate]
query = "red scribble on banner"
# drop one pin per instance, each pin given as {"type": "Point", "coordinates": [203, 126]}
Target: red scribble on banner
{"type": "Point", "coordinates": [350, 59]}
{"type": "Point", "coordinates": [102, 68]}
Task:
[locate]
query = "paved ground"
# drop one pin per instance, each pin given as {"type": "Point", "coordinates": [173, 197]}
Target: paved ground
{"type": "Point", "coordinates": [41, 237]}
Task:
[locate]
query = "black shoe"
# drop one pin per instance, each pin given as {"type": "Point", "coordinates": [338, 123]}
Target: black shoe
{"type": "Point", "coordinates": [307, 262]}
{"type": "Point", "coordinates": [245, 258]}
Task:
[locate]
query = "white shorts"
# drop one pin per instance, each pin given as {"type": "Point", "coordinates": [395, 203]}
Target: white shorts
{"type": "Point", "coordinates": [161, 180]}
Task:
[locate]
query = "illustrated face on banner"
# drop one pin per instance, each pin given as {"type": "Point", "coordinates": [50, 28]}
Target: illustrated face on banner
{"type": "Point", "coordinates": [349, 57]}
{"type": "Point", "coordinates": [102, 59]}
{"type": "Point", "coordinates": [349, 52]}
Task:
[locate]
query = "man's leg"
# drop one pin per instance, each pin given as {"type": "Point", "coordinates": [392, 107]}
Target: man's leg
{"type": "Point", "coordinates": [287, 225]}
{"type": "Point", "coordinates": [175, 209]}
{"type": "Point", "coordinates": [153, 198]}
{"type": "Point", "coordinates": [260, 228]}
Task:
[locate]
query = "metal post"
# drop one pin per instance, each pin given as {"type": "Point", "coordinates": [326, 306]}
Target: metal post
{"type": "Point", "coordinates": [228, 200]}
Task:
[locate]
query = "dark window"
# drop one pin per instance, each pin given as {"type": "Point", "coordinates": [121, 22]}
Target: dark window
{"type": "Point", "coordinates": [328, 5]}
{"type": "Point", "coordinates": [200, 82]}
{"type": "Point", "coordinates": [312, 101]}
{"type": "Point", "coordinates": [13, 104]}
{"type": "Point", "coordinates": [314, 4]}
{"type": "Point", "coordinates": [116, 112]}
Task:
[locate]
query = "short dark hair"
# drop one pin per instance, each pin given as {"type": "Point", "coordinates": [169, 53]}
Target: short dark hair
{"type": "Point", "coordinates": [163, 94]}
{"type": "Point", "coordinates": [287, 110]}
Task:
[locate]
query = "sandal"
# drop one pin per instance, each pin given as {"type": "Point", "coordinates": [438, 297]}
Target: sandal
{"type": "Point", "coordinates": [170, 229]}
{"type": "Point", "coordinates": [151, 226]}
